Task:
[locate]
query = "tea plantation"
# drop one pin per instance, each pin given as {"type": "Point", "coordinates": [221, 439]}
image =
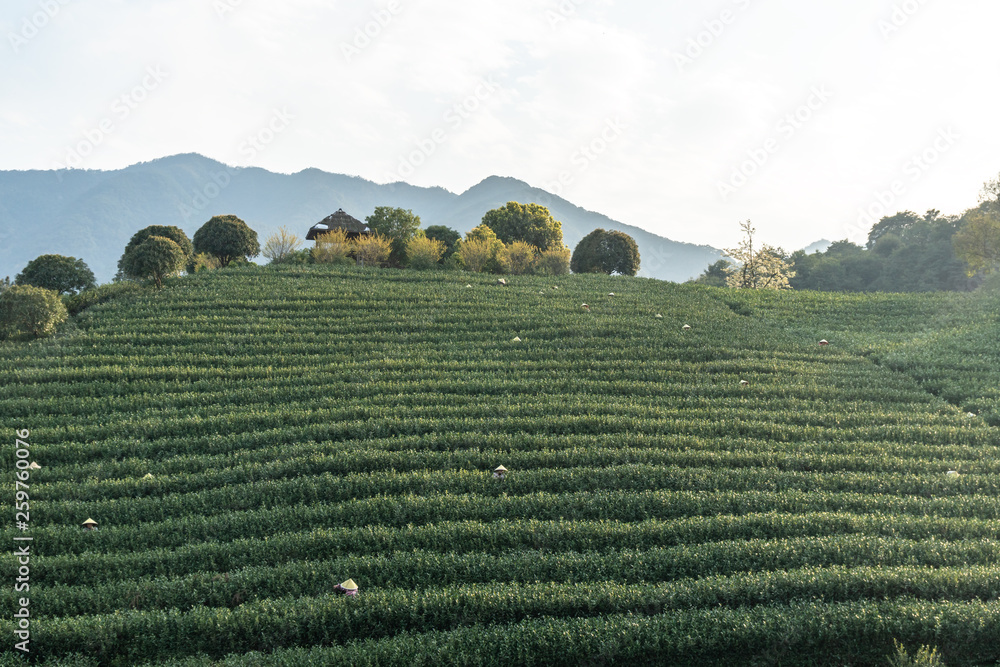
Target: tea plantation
{"type": "Point", "coordinates": [732, 493]}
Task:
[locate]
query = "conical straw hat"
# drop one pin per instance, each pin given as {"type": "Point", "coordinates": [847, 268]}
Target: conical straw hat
{"type": "Point", "coordinates": [499, 469]}
{"type": "Point", "coordinates": [349, 585]}
{"type": "Point", "coordinates": [89, 522]}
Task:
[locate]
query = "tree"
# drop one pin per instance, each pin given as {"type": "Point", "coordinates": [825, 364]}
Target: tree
{"type": "Point", "coordinates": [446, 235]}
{"type": "Point", "coordinates": [155, 258]}
{"type": "Point", "coordinates": [480, 251]}
{"type": "Point", "coordinates": [64, 275]}
{"type": "Point", "coordinates": [518, 257]}
{"type": "Point", "coordinates": [280, 245]}
{"type": "Point", "coordinates": [372, 250]}
{"type": "Point", "coordinates": [26, 309]}
{"type": "Point", "coordinates": [895, 224]}
{"type": "Point", "coordinates": [531, 223]}
{"type": "Point", "coordinates": [398, 226]}
{"type": "Point", "coordinates": [977, 243]}
{"type": "Point", "coordinates": [764, 268]}
{"type": "Point", "coordinates": [715, 275]}
{"type": "Point", "coordinates": [602, 251]}
{"type": "Point", "coordinates": [424, 252]}
{"type": "Point", "coordinates": [228, 238]}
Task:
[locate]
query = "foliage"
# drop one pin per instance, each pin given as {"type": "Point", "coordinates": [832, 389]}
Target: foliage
{"type": "Point", "coordinates": [977, 243]}
{"type": "Point", "coordinates": [924, 657]}
{"type": "Point", "coordinates": [398, 226]}
{"type": "Point", "coordinates": [424, 252]}
{"type": "Point", "coordinates": [518, 258]}
{"type": "Point", "coordinates": [77, 303]}
{"type": "Point", "coordinates": [553, 262]}
{"type": "Point", "coordinates": [761, 268]}
{"type": "Point", "coordinates": [4, 284]}
{"type": "Point", "coordinates": [333, 247]}
{"type": "Point", "coordinates": [715, 275]}
{"type": "Point", "coordinates": [203, 262]}
{"type": "Point", "coordinates": [480, 250]}
{"type": "Point", "coordinates": [530, 223]}
{"type": "Point", "coordinates": [63, 275]}
{"type": "Point", "coordinates": [446, 235]}
{"type": "Point", "coordinates": [608, 252]}
{"type": "Point", "coordinates": [372, 250]}
{"type": "Point", "coordinates": [155, 258]}
{"type": "Point", "coordinates": [280, 245]}
{"type": "Point", "coordinates": [30, 310]}
{"type": "Point", "coordinates": [227, 238]}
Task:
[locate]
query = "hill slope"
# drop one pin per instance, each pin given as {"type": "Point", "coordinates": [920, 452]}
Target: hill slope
{"type": "Point", "coordinates": [92, 214]}
{"type": "Point", "coordinates": [302, 426]}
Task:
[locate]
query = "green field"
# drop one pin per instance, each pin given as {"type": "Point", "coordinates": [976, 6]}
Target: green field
{"type": "Point", "coordinates": [306, 425]}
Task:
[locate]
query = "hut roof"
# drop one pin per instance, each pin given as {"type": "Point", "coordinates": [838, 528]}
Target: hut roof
{"type": "Point", "coordinates": [338, 220]}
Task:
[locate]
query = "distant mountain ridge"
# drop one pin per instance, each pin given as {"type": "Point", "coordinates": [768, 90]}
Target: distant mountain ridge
{"type": "Point", "coordinates": [92, 214]}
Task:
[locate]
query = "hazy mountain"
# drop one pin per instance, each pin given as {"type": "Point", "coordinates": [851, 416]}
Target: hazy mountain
{"type": "Point", "coordinates": [92, 214]}
{"type": "Point", "coordinates": [817, 246]}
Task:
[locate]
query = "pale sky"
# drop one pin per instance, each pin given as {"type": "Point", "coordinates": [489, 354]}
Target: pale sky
{"type": "Point", "coordinates": [682, 118]}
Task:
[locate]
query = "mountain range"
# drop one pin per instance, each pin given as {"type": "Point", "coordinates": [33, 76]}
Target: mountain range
{"type": "Point", "coordinates": [92, 214]}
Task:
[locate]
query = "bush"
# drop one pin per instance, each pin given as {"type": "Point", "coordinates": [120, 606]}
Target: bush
{"type": "Point", "coordinates": [91, 297]}
{"type": "Point", "coordinates": [203, 262]}
{"type": "Point", "coordinates": [475, 254]}
{"type": "Point", "coordinates": [606, 252]}
{"type": "Point", "coordinates": [446, 235]}
{"type": "Point", "coordinates": [373, 250]}
{"type": "Point", "coordinates": [298, 257]}
{"type": "Point", "coordinates": [518, 258]}
{"type": "Point", "coordinates": [30, 310]}
{"type": "Point", "coordinates": [424, 253]}
{"type": "Point", "coordinates": [332, 248]}
{"type": "Point", "coordinates": [155, 258]}
{"type": "Point", "coordinates": [63, 275]}
{"type": "Point", "coordinates": [553, 262]}
{"type": "Point", "coordinates": [280, 245]}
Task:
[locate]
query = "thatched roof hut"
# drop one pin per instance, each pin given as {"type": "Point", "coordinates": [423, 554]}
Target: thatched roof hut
{"type": "Point", "coordinates": [338, 220]}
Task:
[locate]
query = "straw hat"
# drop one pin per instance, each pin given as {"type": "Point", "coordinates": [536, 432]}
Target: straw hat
{"type": "Point", "coordinates": [499, 469]}
{"type": "Point", "coordinates": [148, 475]}
{"type": "Point", "coordinates": [89, 522]}
{"type": "Point", "coordinates": [34, 466]}
{"type": "Point", "coordinates": [349, 585]}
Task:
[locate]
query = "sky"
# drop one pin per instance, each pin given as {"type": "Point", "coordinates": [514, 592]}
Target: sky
{"type": "Point", "coordinates": [811, 119]}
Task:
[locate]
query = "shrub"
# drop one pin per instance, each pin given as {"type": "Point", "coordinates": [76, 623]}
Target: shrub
{"type": "Point", "coordinates": [26, 309]}
{"type": "Point", "coordinates": [446, 235]}
{"type": "Point", "coordinates": [63, 275]}
{"type": "Point", "coordinates": [553, 262]}
{"type": "Point", "coordinates": [475, 254]}
{"type": "Point", "coordinates": [373, 250]}
{"type": "Point", "coordinates": [91, 297]}
{"type": "Point", "coordinates": [424, 252]}
{"type": "Point", "coordinates": [203, 262]}
{"type": "Point", "coordinates": [332, 248]}
{"type": "Point", "coordinates": [518, 257]}
{"type": "Point", "coordinates": [280, 245]}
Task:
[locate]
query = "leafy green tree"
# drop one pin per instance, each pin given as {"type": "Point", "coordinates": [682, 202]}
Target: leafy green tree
{"type": "Point", "coordinates": [531, 223]}
{"type": "Point", "coordinates": [227, 238]}
{"type": "Point", "coordinates": [398, 226]}
{"type": "Point", "coordinates": [758, 268]}
{"type": "Point", "coordinates": [608, 252]}
{"type": "Point", "coordinates": [64, 275]}
{"type": "Point", "coordinates": [894, 224]}
{"type": "Point", "coordinates": [715, 275]}
{"type": "Point", "coordinates": [30, 310]}
{"type": "Point", "coordinates": [480, 251]}
{"type": "Point", "coordinates": [155, 258]}
{"type": "Point", "coordinates": [977, 243]}
{"type": "Point", "coordinates": [446, 235]}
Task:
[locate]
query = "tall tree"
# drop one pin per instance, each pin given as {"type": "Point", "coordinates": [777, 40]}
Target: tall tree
{"type": "Point", "coordinates": [155, 258]}
{"type": "Point", "coordinates": [531, 223]}
{"type": "Point", "coordinates": [758, 268]}
{"type": "Point", "coordinates": [603, 251]}
{"type": "Point", "coordinates": [226, 238]}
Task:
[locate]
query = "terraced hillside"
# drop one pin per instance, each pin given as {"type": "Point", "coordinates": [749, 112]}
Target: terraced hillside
{"type": "Point", "coordinates": [246, 439]}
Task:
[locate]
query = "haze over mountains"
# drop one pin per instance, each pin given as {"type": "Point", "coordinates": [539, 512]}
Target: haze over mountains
{"type": "Point", "coordinates": [92, 214]}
